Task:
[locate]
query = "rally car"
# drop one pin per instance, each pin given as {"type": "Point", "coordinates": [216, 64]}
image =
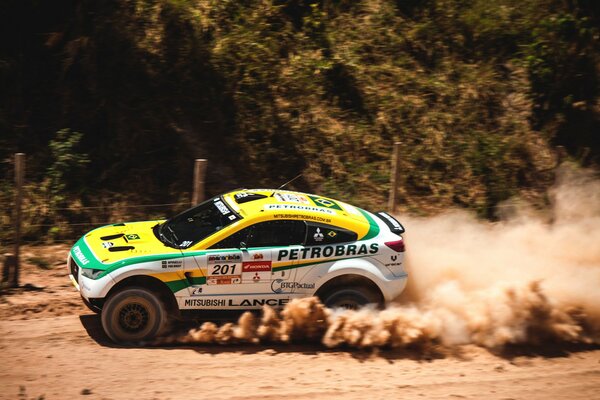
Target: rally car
{"type": "Point", "coordinates": [238, 251]}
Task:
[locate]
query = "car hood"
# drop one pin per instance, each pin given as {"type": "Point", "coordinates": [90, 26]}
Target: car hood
{"type": "Point", "coordinates": [118, 245]}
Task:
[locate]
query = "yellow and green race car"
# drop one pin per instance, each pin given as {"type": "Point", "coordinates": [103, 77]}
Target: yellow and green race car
{"type": "Point", "coordinates": [239, 251]}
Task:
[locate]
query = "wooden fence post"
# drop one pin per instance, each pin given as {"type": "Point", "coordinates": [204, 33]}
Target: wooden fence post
{"type": "Point", "coordinates": [19, 174]}
{"type": "Point", "coordinates": [394, 178]}
{"type": "Point", "coordinates": [198, 184]}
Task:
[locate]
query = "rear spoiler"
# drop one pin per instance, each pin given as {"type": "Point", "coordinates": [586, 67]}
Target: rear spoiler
{"type": "Point", "coordinates": [391, 222]}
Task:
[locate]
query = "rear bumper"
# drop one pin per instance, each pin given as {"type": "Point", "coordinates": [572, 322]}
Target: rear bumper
{"type": "Point", "coordinates": [392, 288]}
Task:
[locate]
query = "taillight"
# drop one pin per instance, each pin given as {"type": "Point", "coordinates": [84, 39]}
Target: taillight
{"type": "Point", "coordinates": [396, 245]}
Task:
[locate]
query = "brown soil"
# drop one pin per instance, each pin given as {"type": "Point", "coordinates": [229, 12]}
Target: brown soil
{"type": "Point", "coordinates": [52, 347]}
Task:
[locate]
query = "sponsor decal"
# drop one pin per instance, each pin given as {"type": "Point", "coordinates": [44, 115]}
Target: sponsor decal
{"type": "Point", "coordinates": [80, 256]}
{"type": "Point", "coordinates": [224, 269]}
{"type": "Point", "coordinates": [281, 286]}
{"type": "Point", "coordinates": [298, 207]}
{"type": "Point", "coordinates": [327, 251]}
{"type": "Point", "coordinates": [257, 302]}
{"type": "Point", "coordinates": [222, 207]}
{"type": "Point", "coordinates": [256, 266]}
{"type": "Point", "coordinates": [196, 290]}
{"type": "Point", "coordinates": [218, 302]}
{"type": "Point", "coordinates": [394, 257]}
{"type": "Point", "coordinates": [185, 244]}
{"type": "Point", "coordinates": [291, 198]}
{"type": "Point", "coordinates": [205, 302]}
{"type": "Point", "coordinates": [331, 234]}
{"type": "Point", "coordinates": [322, 202]}
{"type": "Point", "coordinates": [393, 264]}
{"type": "Point", "coordinates": [107, 245]}
{"type": "Point", "coordinates": [256, 271]}
{"type": "Point", "coordinates": [171, 263]}
{"type": "Point", "coordinates": [219, 258]}
{"type": "Point", "coordinates": [306, 217]}
{"type": "Point", "coordinates": [223, 280]}
{"type": "Point", "coordinates": [258, 256]}
{"type": "Point", "coordinates": [132, 236]}
{"type": "Point", "coordinates": [318, 236]}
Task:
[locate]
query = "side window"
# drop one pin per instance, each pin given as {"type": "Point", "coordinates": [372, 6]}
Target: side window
{"type": "Point", "coordinates": [318, 234]}
{"type": "Point", "coordinates": [233, 241]}
{"type": "Point", "coordinates": [266, 234]}
{"type": "Point", "coordinates": [277, 233]}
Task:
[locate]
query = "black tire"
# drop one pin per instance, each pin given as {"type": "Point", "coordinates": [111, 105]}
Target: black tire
{"type": "Point", "coordinates": [351, 298]}
{"type": "Point", "coordinates": [134, 315]}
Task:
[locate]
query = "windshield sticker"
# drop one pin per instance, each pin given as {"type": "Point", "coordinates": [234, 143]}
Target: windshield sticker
{"type": "Point", "coordinates": [222, 207]}
{"type": "Point", "coordinates": [185, 244]}
{"type": "Point", "coordinates": [323, 202]}
{"type": "Point", "coordinates": [299, 208]}
{"type": "Point", "coordinates": [292, 198]}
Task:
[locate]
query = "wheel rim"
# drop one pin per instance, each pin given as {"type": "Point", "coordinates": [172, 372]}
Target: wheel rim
{"type": "Point", "coordinates": [133, 317]}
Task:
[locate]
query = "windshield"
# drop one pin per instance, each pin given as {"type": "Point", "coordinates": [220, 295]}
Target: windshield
{"type": "Point", "coordinates": [195, 224]}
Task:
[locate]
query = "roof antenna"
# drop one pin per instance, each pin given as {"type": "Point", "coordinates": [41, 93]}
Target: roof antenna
{"type": "Point", "coordinates": [288, 182]}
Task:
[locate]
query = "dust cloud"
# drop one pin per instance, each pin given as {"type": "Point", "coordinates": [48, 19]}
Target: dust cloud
{"type": "Point", "coordinates": [531, 278]}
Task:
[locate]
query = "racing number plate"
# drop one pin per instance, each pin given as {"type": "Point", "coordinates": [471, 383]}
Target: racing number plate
{"type": "Point", "coordinates": [226, 273]}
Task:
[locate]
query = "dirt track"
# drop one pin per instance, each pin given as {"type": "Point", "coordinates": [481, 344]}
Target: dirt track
{"type": "Point", "coordinates": [53, 348]}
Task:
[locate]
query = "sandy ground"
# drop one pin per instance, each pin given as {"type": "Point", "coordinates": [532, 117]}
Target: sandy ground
{"type": "Point", "coordinates": [53, 348]}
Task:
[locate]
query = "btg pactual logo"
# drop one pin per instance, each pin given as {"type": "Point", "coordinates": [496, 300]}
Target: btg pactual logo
{"type": "Point", "coordinates": [276, 286]}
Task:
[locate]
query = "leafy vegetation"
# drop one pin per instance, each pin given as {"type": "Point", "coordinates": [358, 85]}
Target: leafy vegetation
{"type": "Point", "coordinates": [479, 94]}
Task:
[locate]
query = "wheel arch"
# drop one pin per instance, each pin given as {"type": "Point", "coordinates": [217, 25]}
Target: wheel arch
{"type": "Point", "coordinates": [347, 280]}
{"type": "Point", "coordinates": [151, 283]}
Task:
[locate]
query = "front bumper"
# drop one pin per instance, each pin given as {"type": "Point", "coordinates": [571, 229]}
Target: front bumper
{"type": "Point", "coordinates": [88, 288]}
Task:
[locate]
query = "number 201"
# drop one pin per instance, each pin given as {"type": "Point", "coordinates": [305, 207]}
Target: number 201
{"type": "Point", "coordinates": [224, 269]}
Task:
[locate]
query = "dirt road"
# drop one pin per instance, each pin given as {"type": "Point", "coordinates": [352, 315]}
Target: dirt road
{"type": "Point", "coordinates": [53, 348]}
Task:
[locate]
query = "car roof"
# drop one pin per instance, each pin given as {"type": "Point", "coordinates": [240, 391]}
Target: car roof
{"type": "Point", "coordinates": [257, 205]}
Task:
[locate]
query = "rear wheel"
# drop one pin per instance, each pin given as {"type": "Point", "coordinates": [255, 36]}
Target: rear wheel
{"type": "Point", "coordinates": [351, 298]}
{"type": "Point", "coordinates": [134, 315]}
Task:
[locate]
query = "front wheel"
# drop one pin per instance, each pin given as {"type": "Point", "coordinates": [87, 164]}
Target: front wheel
{"type": "Point", "coordinates": [133, 315]}
{"type": "Point", "coordinates": [351, 298]}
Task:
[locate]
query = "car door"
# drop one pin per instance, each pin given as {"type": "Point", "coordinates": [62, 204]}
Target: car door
{"type": "Point", "coordinates": [257, 272]}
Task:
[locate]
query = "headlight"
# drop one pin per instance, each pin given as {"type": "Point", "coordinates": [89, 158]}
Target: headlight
{"type": "Point", "coordinates": [91, 273]}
